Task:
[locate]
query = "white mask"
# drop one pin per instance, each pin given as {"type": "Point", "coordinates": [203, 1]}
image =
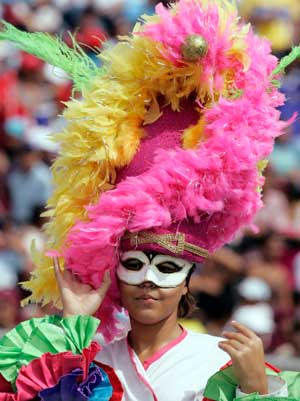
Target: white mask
{"type": "Point", "coordinates": [136, 267]}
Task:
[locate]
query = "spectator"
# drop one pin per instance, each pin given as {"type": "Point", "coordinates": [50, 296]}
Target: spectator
{"type": "Point", "coordinates": [213, 286]}
{"type": "Point", "coordinates": [275, 198]}
{"type": "Point", "coordinates": [268, 265]}
{"type": "Point", "coordinates": [4, 168]}
{"type": "Point", "coordinates": [275, 20]}
{"type": "Point", "coordinates": [29, 184]}
{"type": "Point", "coordinates": [254, 309]}
{"type": "Point", "coordinates": [285, 158]}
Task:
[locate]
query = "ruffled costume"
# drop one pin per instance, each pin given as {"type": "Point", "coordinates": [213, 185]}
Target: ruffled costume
{"type": "Point", "coordinates": [53, 359]}
{"type": "Point", "coordinates": [165, 151]}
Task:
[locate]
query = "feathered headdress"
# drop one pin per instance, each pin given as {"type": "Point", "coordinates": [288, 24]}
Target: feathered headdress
{"type": "Point", "coordinates": [166, 148]}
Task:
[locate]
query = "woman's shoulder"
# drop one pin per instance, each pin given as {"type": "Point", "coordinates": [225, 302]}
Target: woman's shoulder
{"type": "Point", "coordinates": [202, 338]}
{"type": "Point", "coordinates": [204, 347]}
{"type": "Point", "coordinates": [110, 351]}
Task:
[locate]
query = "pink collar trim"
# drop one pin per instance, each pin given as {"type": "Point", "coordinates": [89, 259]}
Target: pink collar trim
{"type": "Point", "coordinates": [164, 349]}
{"type": "Point", "coordinates": [140, 376]}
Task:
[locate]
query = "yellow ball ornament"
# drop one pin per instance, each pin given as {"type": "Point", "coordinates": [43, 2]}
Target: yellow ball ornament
{"type": "Point", "coordinates": [194, 47]}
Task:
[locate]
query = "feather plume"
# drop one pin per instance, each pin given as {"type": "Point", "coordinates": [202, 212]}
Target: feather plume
{"type": "Point", "coordinates": [74, 61]}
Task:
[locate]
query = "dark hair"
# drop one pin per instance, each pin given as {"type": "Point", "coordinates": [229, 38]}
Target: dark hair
{"type": "Point", "coordinates": [187, 303]}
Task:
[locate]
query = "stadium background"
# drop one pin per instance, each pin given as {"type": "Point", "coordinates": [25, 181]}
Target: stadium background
{"type": "Point", "coordinates": [255, 280]}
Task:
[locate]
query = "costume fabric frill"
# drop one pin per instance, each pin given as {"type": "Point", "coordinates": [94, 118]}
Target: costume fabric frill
{"type": "Point", "coordinates": [166, 149]}
{"type": "Point", "coordinates": [54, 358]}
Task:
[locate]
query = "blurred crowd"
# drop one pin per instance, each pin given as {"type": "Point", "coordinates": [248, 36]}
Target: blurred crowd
{"type": "Point", "coordinates": [255, 280]}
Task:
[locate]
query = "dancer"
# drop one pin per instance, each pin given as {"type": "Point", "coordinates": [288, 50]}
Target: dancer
{"type": "Point", "coordinates": [161, 164]}
{"type": "Point", "coordinates": [157, 349]}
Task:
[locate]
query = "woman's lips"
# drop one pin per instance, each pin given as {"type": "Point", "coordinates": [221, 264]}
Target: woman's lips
{"type": "Point", "coordinates": [146, 297]}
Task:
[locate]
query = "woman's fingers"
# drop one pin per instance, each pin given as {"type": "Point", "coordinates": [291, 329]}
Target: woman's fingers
{"type": "Point", "coordinates": [58, 272]}
{"type": "Point", "coordinates": [56, 264]}
{"type": "Point", "coordinates": [246, 351]}
{"type": "Point", "coordinates": [69, 277]}
{"type": "Point", "coordinates": [241, 338]}
{"type": "Point", "coordinates": [243, 329]}
{"type": "Point", "coordinates": [105, 284]}
{"type": "Point", "coordinates": [63, 276]}
{"type": "Point", "coordinates": [71, 288]}
{"type": "Point", "coordinates": [234, 344]}
{"type": "Point", "coordinates": [229, 348]}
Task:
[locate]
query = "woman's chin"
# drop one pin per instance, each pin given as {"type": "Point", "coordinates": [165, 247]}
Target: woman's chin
{"type": "Point", "coordinates": [147, 317]}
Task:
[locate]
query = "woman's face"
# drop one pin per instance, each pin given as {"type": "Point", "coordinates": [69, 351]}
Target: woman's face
{"type": "Point", "coordinates": [151, 285]}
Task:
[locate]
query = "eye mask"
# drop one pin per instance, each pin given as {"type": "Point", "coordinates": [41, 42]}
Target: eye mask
{"type": "Point", "coordinates": [136, 267]}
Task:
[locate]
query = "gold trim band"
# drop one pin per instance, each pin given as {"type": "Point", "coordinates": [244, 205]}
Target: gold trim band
{"type": "Point", "coordinates": [174, 243]}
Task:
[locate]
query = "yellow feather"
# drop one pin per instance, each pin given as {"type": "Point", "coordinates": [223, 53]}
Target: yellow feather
{"type": "Point", "coordinates": [193, 135]}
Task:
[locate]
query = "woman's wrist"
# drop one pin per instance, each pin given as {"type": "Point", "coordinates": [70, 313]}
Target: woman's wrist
{"type": "Point", "coordinates": [69, 313]}
{"type": "Point", "coordinates": [255, 386]}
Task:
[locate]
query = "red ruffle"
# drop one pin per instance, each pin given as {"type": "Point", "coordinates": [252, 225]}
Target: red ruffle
{"type": "Point", "coordinates": [8, 397]}
{"type": "Point", "coordinates": [6, 389]}
{"type": "Point", "coordinates": [5, 386]}
{"type": "Point", "coordinates": [45, 371]}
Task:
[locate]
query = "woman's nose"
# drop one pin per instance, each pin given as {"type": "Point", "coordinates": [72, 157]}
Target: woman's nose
{"type": "Point", "coordinates": [147, 284]}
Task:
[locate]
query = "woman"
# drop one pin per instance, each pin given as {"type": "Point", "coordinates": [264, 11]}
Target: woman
{"type": "Point", "coordinates": [159, 359]}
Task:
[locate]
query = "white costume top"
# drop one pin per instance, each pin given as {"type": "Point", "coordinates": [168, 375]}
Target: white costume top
{"type": "Point", "coordinates": [178, 372]}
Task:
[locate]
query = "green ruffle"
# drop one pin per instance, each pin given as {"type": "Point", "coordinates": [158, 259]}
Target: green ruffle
{"type": "Point", "coordinates": [33, 338]}
{"type": "Point", "coordinates": [293, 382]}
{"type": "Point", "coordinates": [257, 397]}
{"type": "Point", "coordinates": [222, 387]}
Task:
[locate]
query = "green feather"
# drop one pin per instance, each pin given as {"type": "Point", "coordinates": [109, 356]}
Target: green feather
{"type": "Point", "coordinates": [74, 61]}
{"type": "Point", "coordinates": [287, 60]}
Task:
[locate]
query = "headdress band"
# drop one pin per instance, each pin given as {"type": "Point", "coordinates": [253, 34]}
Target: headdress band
{"type": "Point", "coordinates": [174, 243]}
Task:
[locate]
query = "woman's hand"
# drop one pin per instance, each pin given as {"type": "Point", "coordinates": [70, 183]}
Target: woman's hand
{"type": "Point", "coordinates": [78, 298]}
{"type": "Point", "coordinates": [247, 354]}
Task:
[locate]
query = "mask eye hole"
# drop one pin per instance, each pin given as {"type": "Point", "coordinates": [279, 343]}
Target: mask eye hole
{"type": "Point", "coordinates": [132, 264]}
{"type": "Point", "coordinates": [168, 267]}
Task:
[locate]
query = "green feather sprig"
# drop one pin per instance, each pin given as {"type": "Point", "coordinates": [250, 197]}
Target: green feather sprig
{"type": "Point", "coordinates": [287, 60]}
{"type": "Point", "coordinates": [74, 61]}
